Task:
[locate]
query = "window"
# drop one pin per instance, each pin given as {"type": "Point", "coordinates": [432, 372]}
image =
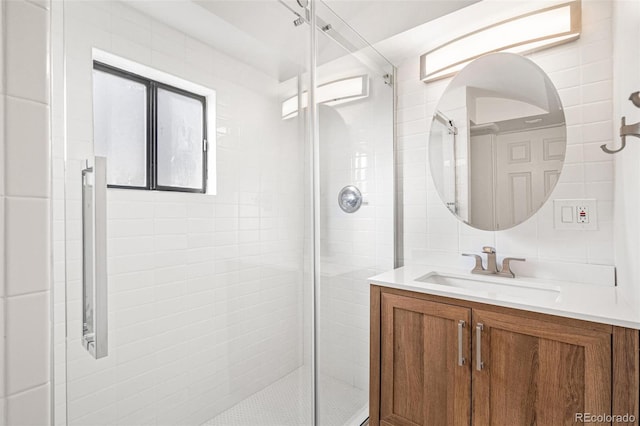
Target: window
{"type": "Point", "coordinates": [152, 134]}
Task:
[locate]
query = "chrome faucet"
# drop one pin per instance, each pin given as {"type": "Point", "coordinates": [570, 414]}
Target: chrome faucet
{"type": "Point", "coordinates": [492, 266]}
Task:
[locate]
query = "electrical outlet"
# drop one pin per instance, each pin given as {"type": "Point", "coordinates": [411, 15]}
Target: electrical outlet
{"type": "Point", "coordinates": [575, 215]}
{"type": "Point", "coordinates": [582, 214]}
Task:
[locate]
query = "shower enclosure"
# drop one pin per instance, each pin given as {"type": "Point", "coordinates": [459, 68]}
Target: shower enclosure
{"type": "Point", "coordinates": [231, 290]}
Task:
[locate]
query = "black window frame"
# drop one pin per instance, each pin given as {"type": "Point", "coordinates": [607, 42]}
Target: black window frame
{"type": "Point", "coordinates": [152, 129]}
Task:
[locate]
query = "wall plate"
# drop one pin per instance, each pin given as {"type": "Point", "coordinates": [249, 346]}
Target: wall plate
{"type": "Point", "coordinates": [579, 214]}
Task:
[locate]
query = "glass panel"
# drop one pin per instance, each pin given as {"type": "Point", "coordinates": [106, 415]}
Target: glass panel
{"type": "Point", "coordinates": [355, 148]}
{"type": "Point", "coordinates": [120, 128]}
{"type": "Point", "coordinates": [180, 136]}
{"type": "Point", "coordinates": [209, 297]}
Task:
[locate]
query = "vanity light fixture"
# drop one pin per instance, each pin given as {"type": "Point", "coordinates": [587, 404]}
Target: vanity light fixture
{"type": "Point", "coordinates": [332, 93]}
{"type": "Point", "coordinates": [521, 34]}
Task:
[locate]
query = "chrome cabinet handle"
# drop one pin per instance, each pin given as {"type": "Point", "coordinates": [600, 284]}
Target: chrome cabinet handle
{"type": "Point", "coordinates": [479, 363]}
{"type": "Point", "coordinates": [94, 258]}
{"type": "Point", "coordinates": [461, 360]}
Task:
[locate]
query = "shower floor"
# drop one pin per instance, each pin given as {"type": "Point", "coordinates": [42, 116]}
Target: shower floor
{"type": "Point", "coordinates": [287, 402]}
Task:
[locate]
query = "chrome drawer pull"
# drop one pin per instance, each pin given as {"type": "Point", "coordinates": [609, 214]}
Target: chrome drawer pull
{"type": "Point", "coordinates": [461, 360]}
{"type": "Point", "coordinates": [479, 363]}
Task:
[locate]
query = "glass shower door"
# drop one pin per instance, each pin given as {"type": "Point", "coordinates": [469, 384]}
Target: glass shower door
{"type": "Point", "coordinates": [212, 313]}
{"type": "Point", "coordinates": [182, 308]}
{"type": "Point", "coordinates": [355, 198]}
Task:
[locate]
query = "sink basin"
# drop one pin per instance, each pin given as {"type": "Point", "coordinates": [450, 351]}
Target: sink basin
{"type": "Point", "coordinates": [494, 287]}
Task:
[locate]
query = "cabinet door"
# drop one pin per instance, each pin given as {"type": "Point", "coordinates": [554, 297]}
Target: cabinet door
{"type": "Point", "coordinates": [537, 372]}
{"type": "Point", "coordinates": [425, 368]}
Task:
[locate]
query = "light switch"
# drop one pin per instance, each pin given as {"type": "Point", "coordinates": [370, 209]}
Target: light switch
{"type": "Point", "coordinates": [567, 214]}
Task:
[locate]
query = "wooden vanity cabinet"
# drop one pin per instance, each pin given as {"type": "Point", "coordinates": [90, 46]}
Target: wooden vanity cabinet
{"type": "Point", "coordinates": [538, 372]}
{"type": "Point", "coordinates": [425, 349]}
{"type": "Point", "coordinates": [440, 361]}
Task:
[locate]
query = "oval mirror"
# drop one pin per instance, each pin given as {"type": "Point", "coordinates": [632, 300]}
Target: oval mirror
{"type": "Point", "coordinates": [497, 141]}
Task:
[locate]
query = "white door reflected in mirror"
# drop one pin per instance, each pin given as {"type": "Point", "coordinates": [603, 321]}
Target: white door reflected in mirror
{"type": "Point", "coordinates": [497, 142]}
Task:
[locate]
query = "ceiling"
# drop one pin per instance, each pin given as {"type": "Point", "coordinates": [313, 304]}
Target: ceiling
{"type": "Point", "coordinates": [262, 33]}
{"type": "Point", "coordinates": [377, 20]}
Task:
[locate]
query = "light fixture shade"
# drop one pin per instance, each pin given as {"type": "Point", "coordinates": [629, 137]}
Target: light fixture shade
{"type": "Point", "coordinates": [332, 93]}
{"type": "Point", "coordinates": [522, 34]}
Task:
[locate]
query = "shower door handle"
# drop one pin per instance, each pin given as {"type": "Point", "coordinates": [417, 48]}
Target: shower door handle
{"type": "Point", "coordinates": [94, 258]}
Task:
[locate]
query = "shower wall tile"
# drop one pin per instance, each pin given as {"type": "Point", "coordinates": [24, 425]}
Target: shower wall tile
{"type": "Point", "coordinates": [2, 126]}
{"type": "Point", "coordinates": [582, 71]}
{"type": "Point", "coordinates": [25, 252]}
{"type": "Point", "coordinates": [3, 416]}
{"type": "Point", "coordinates": [27, 51]}
{"type": "Point", "coordinates": [28, 147]}
{"type": "Point", "coordinates": [3, 377]}
{"type": "Point", "coordinates": [2, 56]}
{"type": "Point", "coordinates": [27, 334]}
{"type": "Point", "coordinates": [28, 245]}
{"type": "Point", "coordinates": [29, 408]}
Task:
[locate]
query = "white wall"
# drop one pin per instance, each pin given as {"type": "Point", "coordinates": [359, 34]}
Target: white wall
{"type": "Point", "coordinates": [24, 213]}
{"type": "Point", "coordinates": [626, 68]}
{"type": "Point", "coordinates": [582, 73]}
{"type": "Point", "coordinates": [205, 291]}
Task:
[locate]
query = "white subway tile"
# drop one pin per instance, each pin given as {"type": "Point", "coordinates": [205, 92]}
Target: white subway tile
{"type": "Point", "coordinates": [598, 111]}
{"type": "Point", "coordinates": [2, 249]}
{"type": "Point", "coordinates": [598, 91]}
{"type": "Point", "coordinates": [131, 31]}
{"type": "Point", "coordinates": [602, 191]}
{"type": "Point", "coordinates": [2, 54]}
{"type": "Point", "coordinates": [593, 152]}
{"type": "Point", "coordinates": [574, 154]}
{"type": "Point", "coordinates": [128, 49]}
{"type": "Point", "coordinates": [27, 148]}
{"type": "Point", "coordinates": [598, 132]}
{"type": "Point", "coordinates": [30, 408]}
{"type": "Point", "coordinates": [168, 41]}
{"type": "Point", "coordinates": [566, 78]}
{"type": "Point", "coordinates": [3, 376]}
{"type": "Point", "coordinates": [27, 331]}
{"type": "Point", "coordinates": [570, 97]}
{"type": "Point", "coordinates": [596, 51]}
{"type": "Point", "coordinates": [595, 11]}
{"type": "Point", "coordinates": [572, 173]}
{"type": "Point", "coordinates": [2, 126]}
{"type": "Point", "coordinates": [28, 237]}
{"type": "Point", "coordinates": [27, 51]}
{"type": "Point", "coordinates": [599, 172]}
{"type": "Point", "coordinates": [597, 71]}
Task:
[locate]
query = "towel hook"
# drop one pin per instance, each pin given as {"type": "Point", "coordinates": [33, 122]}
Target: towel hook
{"type": "Point", "coordinates": [625, 130]}
{"type": "Point", "coordinates": [630, 130]}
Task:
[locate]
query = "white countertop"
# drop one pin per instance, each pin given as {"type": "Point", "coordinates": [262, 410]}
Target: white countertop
{"type": "Point", "coordinates": [588, 302]}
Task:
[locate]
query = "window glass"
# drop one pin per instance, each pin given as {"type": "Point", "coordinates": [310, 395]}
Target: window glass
{"type": "Point", "coordinates": [180, 140]}
{"type": "Point", "coordinates": [120, 128]}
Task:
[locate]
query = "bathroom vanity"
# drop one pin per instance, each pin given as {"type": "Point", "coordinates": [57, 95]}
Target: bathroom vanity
{"type": "Point", "coordinates": [449, 348]}
{"type": "Point", "coordinates": [480, 346]}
